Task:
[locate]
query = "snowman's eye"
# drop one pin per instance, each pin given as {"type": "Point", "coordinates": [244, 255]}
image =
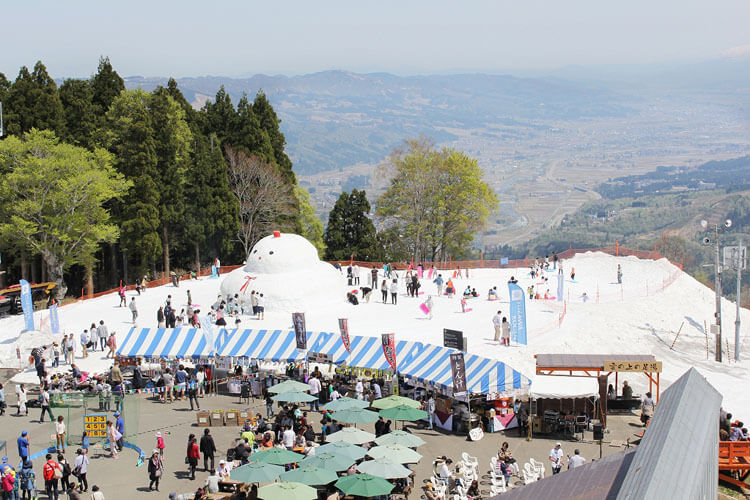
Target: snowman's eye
{"type": "Point", "coordinates": [270, 253]}
{"type": "Point", "coordinates": [255, 251]}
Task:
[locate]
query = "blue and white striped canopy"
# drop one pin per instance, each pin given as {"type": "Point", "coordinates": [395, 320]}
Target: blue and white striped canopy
{"type": "Point", "coordinates": [179, 343]}
{"type": "Point", "coordinates": [426, 363]}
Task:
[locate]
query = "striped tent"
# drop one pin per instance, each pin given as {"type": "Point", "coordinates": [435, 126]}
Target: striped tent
{"type": "Point", "coordinates": [178, 343]}
{"type": "Point", "coordinates": [426, 363]}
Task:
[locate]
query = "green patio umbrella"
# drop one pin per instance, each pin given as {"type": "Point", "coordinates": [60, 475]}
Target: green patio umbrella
{"type": "Point", "coordinates": [400, 437]}
{"type": "Point", "coordinates": [363, 485]}
{"type": "Point", "coordinates": [294, 397]}
{"type": "Point", "coordinates": [328, 461]}
{"type": "Point", "coordinates": [393, 400]}
{"type": "Point", "coordinates": [276, 456]}
{"type": "Point", "coordinates": [256, 472]}
{"type": "Point", "coordinates": [350, 435]}
{"type": "Point", "coordinates": [342, 448]}
{"type": "Point", "coordinates": [395, 453]}
{"type": "Point", "coordinates": [289, 385]}
{"type": "Point", "coordinates": [311, 476]}
{"type": "Point", "coordinates": [403, 412]}
{"type": "Point", "coordinates": [355, 416]}
{"type": "Point", "coordinates": [383, 467]}
{"type": "Point", "coordinates": [345, 403]}
{"type": "Point", "coordinates": [287, 491]}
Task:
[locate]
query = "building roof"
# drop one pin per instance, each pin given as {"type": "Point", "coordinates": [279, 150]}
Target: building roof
{"type": "Point", "coordinates": [592, 361]}
{"type": "Point", "coordinates": [600, 479]}
{"type": "Point", "coordinates": [685, 421]}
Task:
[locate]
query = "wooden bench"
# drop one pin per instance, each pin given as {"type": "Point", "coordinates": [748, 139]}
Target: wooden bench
{"type": "Point", "coordinates": [734, 456]}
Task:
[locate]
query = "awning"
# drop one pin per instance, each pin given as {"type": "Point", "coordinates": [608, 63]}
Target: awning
{"type": "Point", "coordinates": [166, 343]}
{"type": "Point", "coordinates": [426, 363]}
{"type": "Point", "coordinates": [560, 387]}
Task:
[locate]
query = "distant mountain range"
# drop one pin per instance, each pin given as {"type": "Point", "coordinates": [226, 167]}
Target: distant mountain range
{"type": "Point", "coordinates": [335, 119]}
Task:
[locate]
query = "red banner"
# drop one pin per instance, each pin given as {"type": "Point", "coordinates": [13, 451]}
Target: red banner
{"type": "Point", "coordinates": [389, 349]}
{"type": "Point", "coordinates": [344, 327]}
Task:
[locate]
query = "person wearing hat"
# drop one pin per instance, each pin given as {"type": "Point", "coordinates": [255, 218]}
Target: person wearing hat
{"type": "Point", "coordinates": [222, 470]}
{"type": "Point", "coordinates": [23, 446]}
{"type": "Point", "coordinates": [155, 470]}
{"type": "Point", "coordinates": [120, 426]}
{"type": "Point", "coordinates": [556, 457]}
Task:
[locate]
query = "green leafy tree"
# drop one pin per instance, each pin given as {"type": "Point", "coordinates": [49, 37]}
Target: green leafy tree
{"type": "Point", "coordinates": [79, 112]}
{"type": "Point", "coordinates": [436, 200]}
{"type": "Point", "coordinates": [311, 227]}
{"type": "Point", "coordinates": [269, 123]}
{"type": "Point", "coordinates": [173, 138]}
{"type": "Point", "coordinates": [249, 135]}
{"type": "Point", "coordinates": [52, 198]}
{"type": "Point", "coordinates": [211, 212]}
{"type": "Point", "coordinates": [350, 230]}
{"type": "Point", "coordinates": [220, 117]}
{"type": "Point", "coordinates": [106, 85]}
{"type": "Point", "coordinates": [33, 102]}
{"type": "Point", "coordinates": [4, 88]}
{"type": "Point", "coordinates": [130, 136]}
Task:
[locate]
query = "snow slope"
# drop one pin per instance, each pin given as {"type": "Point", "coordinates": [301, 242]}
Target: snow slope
{"type": "Point", "coordinates": [637, 317]}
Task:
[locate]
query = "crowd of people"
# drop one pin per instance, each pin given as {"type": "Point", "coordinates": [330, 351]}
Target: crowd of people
{"type": "Point", "coordinates": [730, 428]}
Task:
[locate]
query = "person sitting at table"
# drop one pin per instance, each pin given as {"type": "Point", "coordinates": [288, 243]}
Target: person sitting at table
{"type": "Point", "coordinates": [267, 441]}
{"type": "Point", "coordinates": [222, 471]}
{"type": "Point", "coordinates": [627, 391]}
{"type": "Point", "coordinates": [309, 433]}
{"type": "Point", "coordinates": [212, 482]}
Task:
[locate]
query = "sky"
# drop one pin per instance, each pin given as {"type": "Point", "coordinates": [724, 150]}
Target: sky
{"type": "Point", "coordinates": [241, 38]}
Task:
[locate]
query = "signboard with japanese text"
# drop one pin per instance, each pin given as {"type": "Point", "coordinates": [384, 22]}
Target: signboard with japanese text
{"type": "Point", "coordinates": [633, 366]}
{"type": "Point", "coordinates": [95, 426]}
{"type": "Point", "coordinates": [389, 349]}
{"type": "Point", "coordinates": [344, 327]}
{"type": "Point", "coordinates": [300, 332]}
{"type": "Point", "coordinates": [458, 368]}
{"type": "Point", "coordinates": [453, 339]}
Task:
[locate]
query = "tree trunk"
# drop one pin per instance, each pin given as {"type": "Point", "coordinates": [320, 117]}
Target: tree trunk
{"type": "Point", "coordinates": [124, 267]}
{"type": "Point", "coordinates": [55, 268]}
{"type": "Point", "coordinates": [34, 271]}
{"type": "Point", "coordinates": [89, 281]}
{"type": "Point", "coordinates": [113, 265]}
{"type": "Point", "coordinates": [23, 265]}
{"type": "Point", "coordinates": [165, 246]}
{"type": "Point", "coordinates": [43, 267]}
{"type": "Point", "coordinates": [197, 257]}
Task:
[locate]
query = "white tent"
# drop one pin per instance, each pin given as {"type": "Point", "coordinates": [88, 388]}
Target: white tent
{"type": "Point", "coordinates": [559, 387]}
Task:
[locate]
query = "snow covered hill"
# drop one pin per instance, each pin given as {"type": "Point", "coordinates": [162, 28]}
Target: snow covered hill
{"type": "Point", "coordinates": [641, 316]}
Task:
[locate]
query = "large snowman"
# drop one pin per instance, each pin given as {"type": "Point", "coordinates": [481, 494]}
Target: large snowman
{"type": "Point", "coordinates": [285, 268]}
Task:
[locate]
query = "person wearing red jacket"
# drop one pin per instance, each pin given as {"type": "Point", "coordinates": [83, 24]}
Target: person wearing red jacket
{"type": "Point", "coordinates": [193, 454]}
{"type": "Point", "coordinates": [51, 475]}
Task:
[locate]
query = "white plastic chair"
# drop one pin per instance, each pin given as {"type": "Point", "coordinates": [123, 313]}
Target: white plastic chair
{"type": "Point", "coordinates": [528, 478]}
{"type": "Point", "coordinates": [538, 467]}
{"type": "Point", "coordinates": [531, 471]}
{"type": "Point", "coordinates": [497, 479]}
{"type": "Point", "coordinates": [496, 490]}
{"type": "Point", "coordinates": [469, 460]}
{"type": "Point", "coordinates": [493, 463]}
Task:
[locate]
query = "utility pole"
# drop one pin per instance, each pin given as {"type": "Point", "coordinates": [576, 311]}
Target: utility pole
{"type": "Point", "coordinates": [717, 289]}
{"type": "Point", "coordinates": [740, 261]}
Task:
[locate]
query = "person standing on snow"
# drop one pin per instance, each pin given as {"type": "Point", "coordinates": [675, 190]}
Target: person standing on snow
{"type": "Point", "coordinates": [497, 322]}
{"type": "Point", "coordinates": [439, 283]}
{"type": "Point", "coordinates": [133, 309]}
{"type": "Point", "coordinates": [394, 290]}
{"type": "Point", "coordinates": [619, 274]}
{"type": "Point", "coordinates": [506, 331]}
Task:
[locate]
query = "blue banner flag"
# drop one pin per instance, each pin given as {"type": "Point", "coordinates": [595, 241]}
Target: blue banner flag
{"type": "Point", "coordinates": [28, 305]}
{"type": "Point", "coordinates": [54, 321]}
{"type": "Point", "coordinates": [560, 285]}
{"type": "Point", "coordinates": [503, 261]}
{"type": "Point", "coordinates": [517, 313]}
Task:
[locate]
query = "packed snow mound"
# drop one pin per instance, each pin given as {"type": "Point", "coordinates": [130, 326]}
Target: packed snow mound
{"type": "Point", "coordinates": [286, 269]}
{"type": "Point", "coordinates": [11, 347]}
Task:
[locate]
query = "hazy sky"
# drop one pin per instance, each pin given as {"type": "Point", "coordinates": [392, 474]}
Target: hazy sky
{"type": "Point", "coordinates": [232, 38]}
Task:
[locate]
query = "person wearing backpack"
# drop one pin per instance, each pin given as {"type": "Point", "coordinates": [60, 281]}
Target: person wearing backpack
{"type": "Point", "coordinates": [26, 478]}
{"type": "Point", "coordinates": [66, 471]}
{"type": "Point", "coordinates": [52, 472]}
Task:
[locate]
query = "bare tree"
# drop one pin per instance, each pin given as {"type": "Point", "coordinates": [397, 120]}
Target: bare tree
{"type": "Point", "coordinates": [265, 198]}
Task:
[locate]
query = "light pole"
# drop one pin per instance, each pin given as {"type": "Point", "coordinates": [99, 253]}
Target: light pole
{"type": "Point", "coordinates": [740, 261]}
{"type": "Point", "coordinates": [717, 279]}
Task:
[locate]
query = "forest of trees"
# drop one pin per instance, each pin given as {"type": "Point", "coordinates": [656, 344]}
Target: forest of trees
{"type": "Point", "coordinates": [161, 192]}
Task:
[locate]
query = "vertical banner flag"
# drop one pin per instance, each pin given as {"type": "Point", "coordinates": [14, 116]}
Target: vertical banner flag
{"type": "Point", "coordinates": [389, 349]}
{"type": "Point", "coordinates": [459, 373]}
{"type": "Point", "coordinates": [27, 304]}
{"type": "Point", "coordinates": [298, 320]}
{"type": "Point", "coordinates": [560, 281]}
{"type": "Point", "coordinates": [54, 321]}
{"type": "Point", "coordinates": [208, 332]}
{"type": "Point", "coordinates": [517, 313]}
{"type": "Point", "coordinates": [344, 327]}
